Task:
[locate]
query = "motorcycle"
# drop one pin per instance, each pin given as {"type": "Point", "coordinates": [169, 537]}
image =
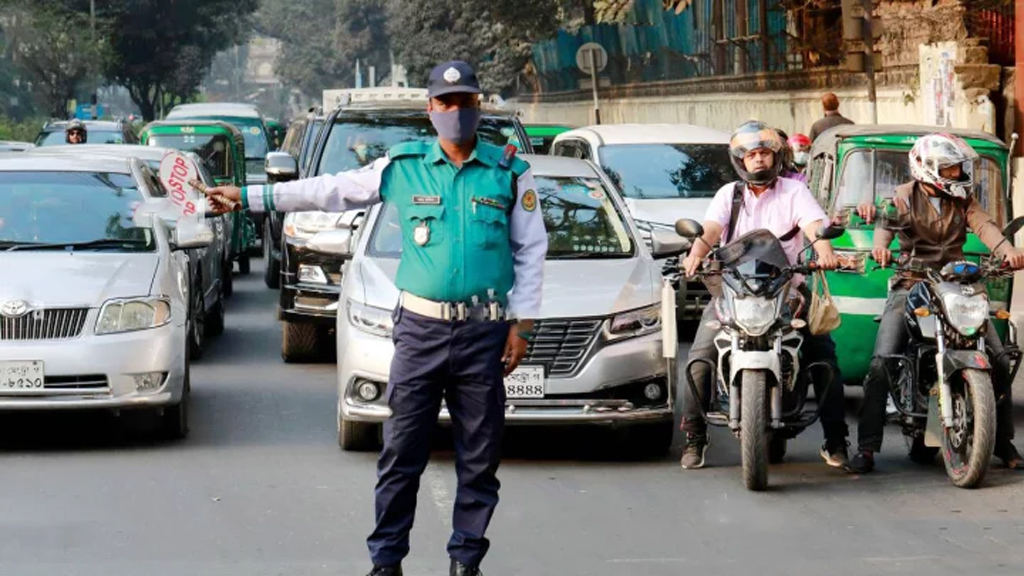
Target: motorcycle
{"type": "Point", "coordinates": [760, 386]}
{"type": "Point", "coordinates": [942, 384]}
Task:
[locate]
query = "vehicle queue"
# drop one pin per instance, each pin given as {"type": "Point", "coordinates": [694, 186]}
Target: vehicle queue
{"type": "Point", "coordinates": [622, 206]}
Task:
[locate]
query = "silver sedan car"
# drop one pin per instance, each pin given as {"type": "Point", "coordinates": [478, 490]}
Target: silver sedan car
{"type": "Point", "coordinates": [93, 305]}
{"type": "Point", "coordinates": [597, 358]}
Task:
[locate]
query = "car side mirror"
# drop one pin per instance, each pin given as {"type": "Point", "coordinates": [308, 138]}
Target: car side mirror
{"type": "Point", "coordinates": [189, 234]}
{"type": "Point", "coordinates": [335, 242]}
{"type": "Point", "coordinates": [830, 232]}
{"type": "Point", "coordinates": [689, 228]}
{"type": "Point", "coordinates": [665, 244]}
{"type": "Point", "coordinates": [281, 167]}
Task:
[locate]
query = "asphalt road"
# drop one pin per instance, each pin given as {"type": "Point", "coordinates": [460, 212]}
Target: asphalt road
{"type": "Point", "coordinates": [261, 488]}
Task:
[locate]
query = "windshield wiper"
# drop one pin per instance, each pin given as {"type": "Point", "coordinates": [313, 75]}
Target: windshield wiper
{"type": "Point", "coordinates": [101, 243]}
{"type": "Point", "coordinates": [585, 255]}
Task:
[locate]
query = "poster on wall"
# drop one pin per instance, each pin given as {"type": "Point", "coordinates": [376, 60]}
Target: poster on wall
{"type": "Point", "coordinates": [938, 85]}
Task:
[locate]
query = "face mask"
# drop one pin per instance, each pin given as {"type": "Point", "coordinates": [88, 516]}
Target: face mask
{"type": "Point", "coordinates": [458, 126]}
{"type": "Point", "coordinates": [801, 158]}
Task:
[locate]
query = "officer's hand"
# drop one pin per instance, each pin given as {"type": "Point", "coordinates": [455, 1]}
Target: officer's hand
{"type": "Point", "coordinates": [515, 349]}
{"type": "Point", "coordinates": [225, 199]}
{"type": "Point", "coordinates": [690, 265]}
{"type": "Point", "coordinates": [1015, 259]}
{"type": "Point", "coordinates": [882, 255]}
{"type": "Point", "coordinates": [867, 212]}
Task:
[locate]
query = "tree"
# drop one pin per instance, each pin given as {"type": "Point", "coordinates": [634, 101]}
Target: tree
{"type": "Point", "coordinates": [48, 51]}
{"type": "Point", "coordinates": [161, 49]}
{"type": "Point", "coordinates": [306, 28]}
{"type": "Point", "coordinates": [495, 36]}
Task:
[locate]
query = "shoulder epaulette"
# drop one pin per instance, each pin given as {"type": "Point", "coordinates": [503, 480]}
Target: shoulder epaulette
{"type": "Point", "coordinates": [519, 166]}
{"type": "Point", "coordinates": [408, 149]}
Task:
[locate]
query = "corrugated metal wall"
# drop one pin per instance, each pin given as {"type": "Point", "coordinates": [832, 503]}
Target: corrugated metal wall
{"type": "Point", "coordinates": [712, 38]}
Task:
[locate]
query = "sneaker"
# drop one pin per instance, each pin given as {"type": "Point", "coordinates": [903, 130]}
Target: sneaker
{"type": "Point", "coordinates": [395, 570]}
{"type": "Point", "coordinates": [834, 453]}
{"type": "Point", "coordinates": [1010, 457]}
{"type": "Point", "coordinates": [862, 463]}
{"type": "Point", "coordinates": [693, 454]}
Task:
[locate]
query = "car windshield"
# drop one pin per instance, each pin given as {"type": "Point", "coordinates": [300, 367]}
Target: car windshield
{"type": "Point", "coordinates": [214, 149]}
{"type": "Point", "coordinates": [71, 208]}
{"type": "Point", "coordinates": [668, 170]}
{"type": "Point", "coordinates": [581, 219]}
{"type": "Point", "coordinates": [870, 175]}
{"type": "Point", "coordinates": [94, 136]}
{"type": "Point", "coordinates": [356, 142]}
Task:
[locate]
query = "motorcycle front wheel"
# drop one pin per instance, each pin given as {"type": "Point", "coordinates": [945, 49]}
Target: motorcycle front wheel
{"type": "Point", "coordinates": [967, 446]}
{"type": "Point", "coordinates": [754, 429]}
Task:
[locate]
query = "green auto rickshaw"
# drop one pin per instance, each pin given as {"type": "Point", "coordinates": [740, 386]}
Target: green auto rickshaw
{"type": "Point", "coordinates": [222, 149]}
{"type": "Point", "coordinates": [854, 164]}
{"type": "Point", "coordinates": [542, 135]}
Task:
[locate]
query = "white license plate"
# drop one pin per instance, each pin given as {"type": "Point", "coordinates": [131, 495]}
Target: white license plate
{"type": "Point", "coordinates": [525, 382]}
{"type": "Point", "coordinates": [25, 375]}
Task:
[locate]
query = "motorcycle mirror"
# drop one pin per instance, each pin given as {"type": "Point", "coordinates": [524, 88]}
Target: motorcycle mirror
{"type": "Point", "coordinates": [830, 232]}
{"type": "Point", "coordinates": [688, 228]}
{"type": "Point", "coordinates": [1013, 227]}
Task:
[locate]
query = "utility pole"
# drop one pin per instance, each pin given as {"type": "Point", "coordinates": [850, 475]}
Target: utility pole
{"type": "Point", "coordinates": [860, 31]}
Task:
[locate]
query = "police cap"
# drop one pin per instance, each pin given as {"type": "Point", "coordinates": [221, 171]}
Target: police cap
{"type": "Point", "coordinates": [452, 77]}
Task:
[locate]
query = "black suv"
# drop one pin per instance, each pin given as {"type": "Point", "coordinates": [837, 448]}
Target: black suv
{"type": "Point", "coordinates": [352, 136]}
{"type": "Point", "coordinates": [98, 132]}
{"type": "Point", "coordinates": [298, 143]}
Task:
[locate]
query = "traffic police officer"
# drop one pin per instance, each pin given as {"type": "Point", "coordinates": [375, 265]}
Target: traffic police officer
{"type": "Point", "coordinates": [470, 277]}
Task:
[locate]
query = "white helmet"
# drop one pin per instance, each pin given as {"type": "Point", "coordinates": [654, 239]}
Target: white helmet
{"type": "Point", "coordinates": [934, 152]}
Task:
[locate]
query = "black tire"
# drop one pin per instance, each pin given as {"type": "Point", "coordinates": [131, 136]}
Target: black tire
{"type": "Point", "coordinates": [228, 279]}
{"type": "Point", "coordinates": [197, 323]}
{"type": "Point", "coordinates": [174, 422]}
{"type": "Point", "coordinates": [299, 342]}
{"type": "Point", "coordinates": [215, 320]}
{"type": "Point", "coordinates": [967, 447]}
{"type": "Point", "coordinates": [777, 449]}
{"type": "Point", "coordinates": [754, 429]}
{"type": "Point", "coordinates": [244, 265]}
{"type": "Point", "coordinates": [272, 270]}
{"type": "Point", "coordinates": [919, 453]}
{"type": "Point", "coordinates": [357, 436]}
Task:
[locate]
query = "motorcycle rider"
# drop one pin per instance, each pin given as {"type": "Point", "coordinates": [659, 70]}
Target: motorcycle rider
{"type": "Point", "coordinates": [934, 211]}
{"type": "Point", "coordinates": [784, 207]}
{"type": "Point", "coordinates": [75, 132]}
{"type": "Point", "coordinates": [801, 146]}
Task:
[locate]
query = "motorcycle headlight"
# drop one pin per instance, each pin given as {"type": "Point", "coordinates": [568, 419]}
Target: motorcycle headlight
{"type": "Point", "coordinates": [966, 313]}
{"type": "Point", "coordinates": [304, 225]}
{"type": "Point", "coordinates": [634, 323]}
{"type": "Point", "coordinates": [128, 315]}
{"type": "Point", "coordinates": [370, 319]}
{"type": "Point", "coordinates": [754, 314]}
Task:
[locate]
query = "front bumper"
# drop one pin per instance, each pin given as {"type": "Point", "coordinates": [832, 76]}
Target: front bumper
{"type": "Point", "coordinates": [307, 302]}
{"type": "Point", "coordinates": [97, 372]}
{"type": "Point", "coordinates": [606, 390]}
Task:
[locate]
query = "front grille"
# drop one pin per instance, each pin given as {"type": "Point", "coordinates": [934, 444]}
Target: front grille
{"type": "Point", "coordinates": [561, 345]}
{"type": "Point", "coordinates": [49, 324]}
{"type": "Point", "coordinates": [86, 382]}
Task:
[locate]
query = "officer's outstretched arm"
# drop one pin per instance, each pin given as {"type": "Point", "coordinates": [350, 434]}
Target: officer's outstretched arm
{"type": "Point", "coordinates": [529, 247]}
{"type": "Point", "coordinates": [331, 192]}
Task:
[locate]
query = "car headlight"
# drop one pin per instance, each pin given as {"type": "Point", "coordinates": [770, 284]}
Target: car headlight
{"type": "Point", "coordinates": [370, 319]}
{"type": "Point", "coordinates": [634, 323]}
{"type": "Point", "coordinates": [754, 314]}
{"type": "Point", "coordinates": [966, 313]}
{"type": "Point", "coordinates": [131, 314]}
{"type": "Point", "coordinates": [304, 225]}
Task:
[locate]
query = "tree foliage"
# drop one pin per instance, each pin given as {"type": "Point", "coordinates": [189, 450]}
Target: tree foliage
{"type": "Point", "coordinates": [161, 48]}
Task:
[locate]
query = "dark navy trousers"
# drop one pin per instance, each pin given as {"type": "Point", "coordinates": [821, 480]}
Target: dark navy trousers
{"type": "Point", "coordinates": [460, 362]}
